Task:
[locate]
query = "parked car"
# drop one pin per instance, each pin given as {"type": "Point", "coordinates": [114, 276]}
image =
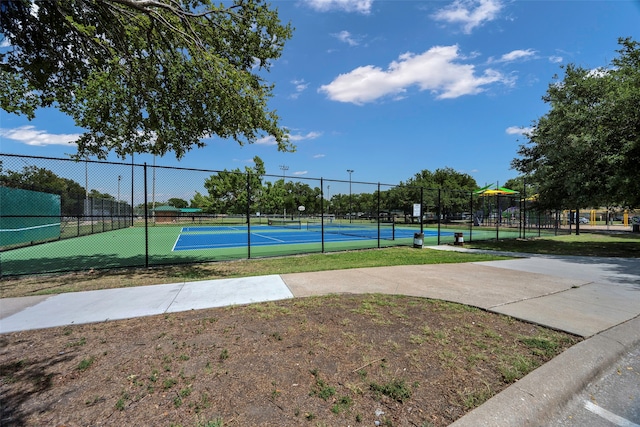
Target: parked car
{"type": "Point", "coordinates": [583, 221]}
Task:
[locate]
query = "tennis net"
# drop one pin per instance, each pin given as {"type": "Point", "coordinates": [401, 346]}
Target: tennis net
{"type": "Point", "coordinates": [286, 223]}
{"type": "Point", "coordinates": [384, 230]}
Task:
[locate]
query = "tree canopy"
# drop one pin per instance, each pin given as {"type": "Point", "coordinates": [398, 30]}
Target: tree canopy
{"type": "Point", "coordinates": [228, 190]}
{"type": "Point", "coordinates": [34, 178]}
{"type": "Point", "coordinates": [144, 76]}
{"type": "Point", "coordinates": [454, 199]}
{"type": "Point", "coordinates": [586, 150]}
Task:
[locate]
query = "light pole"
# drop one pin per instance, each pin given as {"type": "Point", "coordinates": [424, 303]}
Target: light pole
{"type": "Point", "coordinates": [284, 169]}
{"type": "Point", "coordinates": [350, 202]}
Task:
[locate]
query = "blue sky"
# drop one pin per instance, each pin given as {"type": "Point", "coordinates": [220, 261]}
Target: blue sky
{"type": "Point", "coordinates": [390, 88]}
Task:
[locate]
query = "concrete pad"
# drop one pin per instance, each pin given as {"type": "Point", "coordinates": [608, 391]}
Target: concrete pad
{"type": "Point", "coordinates": [226, 292]}
{"type": "Point", "coordinates": [583, 311]}
{"type": "Point", "coordinates": [124, 303]}
{"type": "Point", "coordinates": [477, 285]}
{"type": "Point", "coordinates": [93, 306]}
{"type": "Point", "coordinates": [601, 270]}
{"type": "Point", "coordinates": [11, 306]}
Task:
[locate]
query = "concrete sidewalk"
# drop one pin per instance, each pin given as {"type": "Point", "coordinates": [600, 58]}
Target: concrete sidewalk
{"type": "Point", "coordinates": [596, 298]}
{"type": "Point", "coordinates": [18, 314]}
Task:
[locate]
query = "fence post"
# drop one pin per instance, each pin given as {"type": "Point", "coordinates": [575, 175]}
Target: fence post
{"type": "Point", "coordinates": [524, 208]}
{"type": "Point", "coordinates": [132, 212]}
{"type": "Point", "coordinates": [146, 216]}
{"type": "Point", "coordinates": [498, 217]}
{"type": "Point", "coordinates": [539, 225]}
{"type": "Point", "coordinates": [471, 215]}
{"type": "Point", "coordinates": [79, 215]}
{"type": "Point", "coordinates": [248, 215]}
{"type": "Point", "coordinates": [378, 219]}
{"type": "Point", "coordinates": [321, 215]}
{"type": "Point", "coordinates": [102, 213]}
{"type": "Point", "coordinates": [90, 204]}
{"type": "Point", "coordinates": [421, 211]}
{"type": "Point", "coordinates": [439, 213]}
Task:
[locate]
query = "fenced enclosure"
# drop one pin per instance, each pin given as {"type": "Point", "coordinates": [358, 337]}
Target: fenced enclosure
{"type": "Point", "coordinates": [102, 215]}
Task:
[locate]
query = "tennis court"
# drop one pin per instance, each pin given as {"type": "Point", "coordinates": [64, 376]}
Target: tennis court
{"type": "Point", "coordinates": [174, 244]}
{"type": "Point", "coordinates": [219, 237]}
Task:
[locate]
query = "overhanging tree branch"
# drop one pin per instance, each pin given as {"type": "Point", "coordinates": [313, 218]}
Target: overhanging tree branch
{"type": "Point", "coordinates": [144, 75]}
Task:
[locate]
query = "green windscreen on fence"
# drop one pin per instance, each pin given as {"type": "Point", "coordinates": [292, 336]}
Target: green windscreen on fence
{"type": "Point", "coordinates": [28, 216]}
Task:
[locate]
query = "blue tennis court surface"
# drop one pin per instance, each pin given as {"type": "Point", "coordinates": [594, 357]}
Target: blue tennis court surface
{"type": "Point", "coordinates": [219, 237]}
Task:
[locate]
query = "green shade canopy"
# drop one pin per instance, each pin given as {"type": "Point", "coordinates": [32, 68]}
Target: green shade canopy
{"type": "Point", "coordinates": [498, 191]}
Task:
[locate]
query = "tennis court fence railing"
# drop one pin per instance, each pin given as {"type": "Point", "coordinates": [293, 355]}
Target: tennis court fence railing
{"type": "Point", "coordinates": [100, 214]}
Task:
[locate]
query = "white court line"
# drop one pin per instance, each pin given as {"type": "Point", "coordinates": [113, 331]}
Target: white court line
{"type": "Point", "coordinates": [6, 230]}
{"type": "Point", "coordinates": [267, 237]}
{"type": "Point", "coordinates": [175, 243]}
{"type": "Point", "coordinates": [609, 416]}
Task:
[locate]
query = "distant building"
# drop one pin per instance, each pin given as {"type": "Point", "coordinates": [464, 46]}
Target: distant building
{"type": "Point", "coordinates": [167, 214]}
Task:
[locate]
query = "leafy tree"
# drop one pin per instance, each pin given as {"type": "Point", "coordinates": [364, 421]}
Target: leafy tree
{"type": "Point", "coordinates": [203, 202]}
{"type": "Point", "coordinates": [524, 185]}
{"type": "Point", "coordinates": [144, 75]}
{"type": "Point", "coordinates": [228, 190]}
{"type": "Point", "coordinates": [98, 195]}
{"type": "Point", "coordinates": [338, 204]}
{"type": "Point", "coordinates": [585, 151]}
{"type": "Point", "coordinates": [34, 178]}
{"type": "Point", "coordinates": [272, 196]}
{"type": "Point", "coordinates": [301, 194]}
{"type": "Point", "coordinates": [177, 203]}
{"type": "Point", "coordinates": [454, 195]}
{"type": "Point", "coordinates": [459, 187]}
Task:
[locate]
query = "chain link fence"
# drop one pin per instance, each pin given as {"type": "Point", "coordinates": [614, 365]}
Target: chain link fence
{"type": "Point", "coordinates": [62, 215]}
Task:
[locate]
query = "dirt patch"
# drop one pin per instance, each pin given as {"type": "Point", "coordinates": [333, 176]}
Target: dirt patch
{"type": "Point", "coordinates": [332, 360]}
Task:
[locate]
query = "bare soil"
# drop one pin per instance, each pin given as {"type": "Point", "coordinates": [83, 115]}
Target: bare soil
{"type": "Point", "coordinates": [321, 361]}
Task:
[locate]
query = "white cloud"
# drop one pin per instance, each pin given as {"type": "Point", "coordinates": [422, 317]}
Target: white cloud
{"type": "Point", "coordinates": [300, 173]}
{"type": "Point", "coordinates": [309, 135]}
{"type": "Point", "coordinates": [245, 161]}
{"type": "Point", "coordinates": [555, 59]}
{"type": "Point", "coordinates": [266, 140]}
{"type": "Point", "coordinates": [469, 13]}
{"type": "Point", "coordinates": [519, 130]}
{"type": "Point", "coordinates": [598, 72]}
{"type": "Point", "coordinates": [346, 37]}
{"type": "Point", "coordinates": [270, 140]}
{"type": "Point", "coordinates": [436, 70]}
{"type": "Point", "coordinates": [515, 55]}
{"type": "Point", "coordinates": [359, 6]}
{"type": "Point", "coordinates": [319, 156]}
{"type": "Point", "coordinates": [29, 135]}
{"type": "Point", "coordinates": [300, 86]}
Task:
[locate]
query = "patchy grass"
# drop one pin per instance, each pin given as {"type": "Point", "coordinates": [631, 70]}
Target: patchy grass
{"type": "Point", "coordinates": [326, 360]}
{"type": "Point", "coordinates": [121, 278]}
{"type": "Point", "coordinates": [334, 360]}
{"type": "Point", "coordinates": [625, 245]}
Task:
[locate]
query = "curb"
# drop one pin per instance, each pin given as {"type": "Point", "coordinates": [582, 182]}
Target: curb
{"type": "Point", "coordinates": [536, 398]}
